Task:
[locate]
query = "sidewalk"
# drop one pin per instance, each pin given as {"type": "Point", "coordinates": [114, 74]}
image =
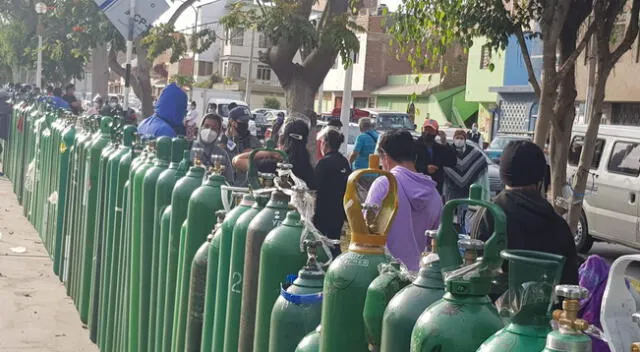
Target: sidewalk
{"type": "Point", "coordinates": [35, 312]}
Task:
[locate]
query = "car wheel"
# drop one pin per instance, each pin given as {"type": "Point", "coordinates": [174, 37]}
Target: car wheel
{"type": "Point", "coordinates": [583, 241]}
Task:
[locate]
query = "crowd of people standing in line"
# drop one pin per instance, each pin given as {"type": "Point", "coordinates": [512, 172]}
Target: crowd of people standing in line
{"type": "Point", "coordinates": [429, 171]}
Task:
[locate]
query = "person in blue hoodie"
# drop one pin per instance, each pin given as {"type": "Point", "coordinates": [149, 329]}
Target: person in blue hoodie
{"type": "Point", "coordinates": [169, 113]}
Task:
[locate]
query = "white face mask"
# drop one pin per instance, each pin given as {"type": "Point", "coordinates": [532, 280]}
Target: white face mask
{"type": "Point", "coordinates": [208, 135]}
{"type": "Point", "coordinates": [113, 104]}
{"type": "Point", "coordinates": [438, 140]}
{"type": "Point", "coordinates": [459, 143]}
{"type": "Point", "coordinates": [474, 129]}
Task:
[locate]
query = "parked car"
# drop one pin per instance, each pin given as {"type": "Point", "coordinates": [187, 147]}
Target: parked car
{"type": "Point", "coordinates": [494, 151]}
{"type": "Point", "coordinates": [261, 122]}
{"type": "Point", "coordinates": [611, 207]}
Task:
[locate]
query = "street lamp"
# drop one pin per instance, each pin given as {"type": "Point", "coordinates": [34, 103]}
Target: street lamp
{"type": "Point", "coordinates": [41, 9]}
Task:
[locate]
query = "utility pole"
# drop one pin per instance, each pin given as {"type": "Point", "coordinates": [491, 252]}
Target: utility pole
{"type": "Point", "coordinates": [247, 88]}
{"type": "Point", "coordinates": [345, 111]}
{"type": "Point", "coordinates": [194, 74]}
{"type": "Point", "coordinates": [41, 9]}
{"type": "Point", "coordinates": [127, 76]}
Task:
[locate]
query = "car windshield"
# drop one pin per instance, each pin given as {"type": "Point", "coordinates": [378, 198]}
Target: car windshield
{"type": "Point", "coordinates": [501, 142]}
{"type": "Point", "coordinates": [391, 121]}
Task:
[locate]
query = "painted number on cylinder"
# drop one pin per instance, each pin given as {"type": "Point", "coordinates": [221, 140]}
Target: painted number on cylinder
{"type": "Point", "coordinates": [236, 283]}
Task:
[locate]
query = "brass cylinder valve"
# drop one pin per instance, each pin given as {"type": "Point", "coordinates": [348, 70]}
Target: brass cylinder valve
{"type": "Point", "coordinates": [196, 154]}
{"type": "Point", "coordinates": [216, 165]}
{"type": "Point", "coordinates": [471, 249]}
{"type": "Point", "coordinates": [370, 216]}
{"type": "Point", "coordinates": [567, 317]}
{"type": "Point", "coordinates": [267, 179]}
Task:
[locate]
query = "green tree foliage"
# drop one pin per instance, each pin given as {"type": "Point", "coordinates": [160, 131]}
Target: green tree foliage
{"type": "Point", "coordinates": [292, 29]}
{"type": "Point", "coordinates": [182, 80]}
{"type": "Point", "coordinates": [271, 103]}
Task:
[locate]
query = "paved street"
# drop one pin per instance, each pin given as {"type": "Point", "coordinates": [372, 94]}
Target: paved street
{"type": "Point", "coordinates": [613, 251]}
{"type": "Point", "coordinates": [35, 313]}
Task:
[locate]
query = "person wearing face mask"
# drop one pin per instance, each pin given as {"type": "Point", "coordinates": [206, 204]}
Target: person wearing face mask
{"type": "Point", "coordinates": [471, 166]}
{"type": "Point", "coordinates": [332, 172]}
{"type": "Point", "coordinates": [207, 140]}
{"type": "Point", "coordinates": [238, 140]}
{"type": "Point", "coordinates": [419, 203]}
{"type": "Point", "coordinates": [433, 155]}
{"type": "Point", "coordinates": [113, 108]}
{"type": "Point", "coordinates": [532, 223]}
{"type": "Point", "coordinates": [191, 122]}
{"type": "Point", "coordinates": [475, 136]}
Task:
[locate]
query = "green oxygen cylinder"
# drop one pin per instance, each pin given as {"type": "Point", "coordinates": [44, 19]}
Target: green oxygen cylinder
{"type": "Point", "coordinates": [269, 218]}
{"type": "Point", "coordinates": [405, 307]}
{"type": "Point", "coordinates": [311, 342]}
{"type": "Point", "coordinates": [90, 201]}
{"type": "Point", "coordinates": [167, 180]}
{"type": "Point", "coordinates": [179, 205]}
{"type": "Point", "coordinates": [222, 286]}
{"type": "Point", "coordinates": [136, 280]}
{"type": "Point", "coordinates": [380, 292]}
{"type": "Point", "coordinates": [116, 322]}
{"type": "Point", "coordinates": [570, 334]}
{"type": "Point", "coordinates": [67, 140]}
{"type": "Point", "coordinates": [297, 310]}
{"type": "Point", "coordinates": [203, 272]}
{"type": "Point", "coordinates": [149, 218]}
{"type": "Point", "coordinates": [107, 228]}
{"type": "Point", "coordinates": [98, 245]}
{"type": "Point", "coordinates": [205, 201]}
{"type": "Point", "coordinates": [236, 269]}
{"type": "Point", "coordinates": [279, 256]}
{"type": "Point", "coordinates": [119, 175]}
{"type": "Point", "coordinates": [349, 276]}
{"type": "Point", "coordinates": [465, 306]}
{"type": "Point", "coordinates": [204, 332]}
{"type": "Point", "coordinates": [164, 186]}
{"type": "Point", "coordinates": [528, 301]}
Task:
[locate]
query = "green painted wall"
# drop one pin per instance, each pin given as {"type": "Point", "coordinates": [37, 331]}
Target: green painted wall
{"type": "Point", "coordinates": [425, 106]}
{"type": "Point", "coordinates": [479, 80]}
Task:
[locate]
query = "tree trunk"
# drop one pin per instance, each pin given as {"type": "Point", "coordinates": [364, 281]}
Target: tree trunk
{"type": "Point", "coordinates": [565, 114]}
{"type": "Point", "coordinates": [100, 71]}
{"type": "Point", "coordinates": [588, 147]}
{"type": "Point", "coordinates": [548, 94]}
{"type": "Point", "coordinates": [141, 82]}
{"type": "Point", "coordinates": [299, 96]}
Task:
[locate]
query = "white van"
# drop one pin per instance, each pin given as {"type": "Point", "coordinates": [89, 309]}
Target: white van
{"type": "Point", "coordinates": [611, 210]}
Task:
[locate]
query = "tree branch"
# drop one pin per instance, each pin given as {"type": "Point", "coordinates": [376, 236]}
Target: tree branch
{"type": "Point", "coordinates": [179, 11]}
{"type": "Point", "coordinates": [533, 80]}
{"type": "Point", "coordinates": [114, 65]}
{"type": "Point", "coordinates": [630, 35]}
{"type": "Point", "coordinates": [569, 63]}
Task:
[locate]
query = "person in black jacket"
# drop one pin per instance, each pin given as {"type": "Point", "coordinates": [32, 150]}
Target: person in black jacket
{"type": "Point", "coordinates": [532, 223]}
{"type": "Point", "coordinates": [332, 172]}
{"type": "Point", "coordinates": [433, 156]}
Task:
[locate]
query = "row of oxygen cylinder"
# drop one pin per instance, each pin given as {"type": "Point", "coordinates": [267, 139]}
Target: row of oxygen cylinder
{"type": "Point", "coordinates": [138, 233]}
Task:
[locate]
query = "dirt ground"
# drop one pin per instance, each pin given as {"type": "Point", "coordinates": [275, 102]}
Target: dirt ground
{"type": "Point", "coordinates": [35, 312]}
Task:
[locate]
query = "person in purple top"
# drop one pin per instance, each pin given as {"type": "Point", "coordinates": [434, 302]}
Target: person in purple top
{"type": "Point", "coordinates": [419, 203]}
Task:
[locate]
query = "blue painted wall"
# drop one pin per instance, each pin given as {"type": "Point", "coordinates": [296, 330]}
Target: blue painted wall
{"type": "Point", "coordinates": [515, 71]}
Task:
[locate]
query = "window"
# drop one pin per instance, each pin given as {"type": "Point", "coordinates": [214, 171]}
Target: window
{"type": "Point", "coordinates": [264, 73]}
{"type": "Point", "coordinates": [575, 149]}
{"type": "Point", "coordinates": [264, 41]}
{"type": "Point", "coordinates": [235, 36]}
{"type": "Point", "coordinates": [205, 68]}
{"type": "Point", "coordinates": [485, 57]}
{"type": "Point", "coordinates": [625, 159]}
{"type": "Point", "coordinates": [231, 69]}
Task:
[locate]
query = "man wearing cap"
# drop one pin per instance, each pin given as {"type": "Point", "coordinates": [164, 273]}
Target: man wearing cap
{"type": "Point", "coordinates": [434, 156]}
{"type": "Point", "coordinates": [532, 224]}
{"type": "Point", "coordinates": [238, 138]}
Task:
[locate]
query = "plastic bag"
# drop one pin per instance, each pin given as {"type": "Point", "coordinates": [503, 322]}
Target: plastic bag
{"type": "Point", "coordinates": [29, 177]}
